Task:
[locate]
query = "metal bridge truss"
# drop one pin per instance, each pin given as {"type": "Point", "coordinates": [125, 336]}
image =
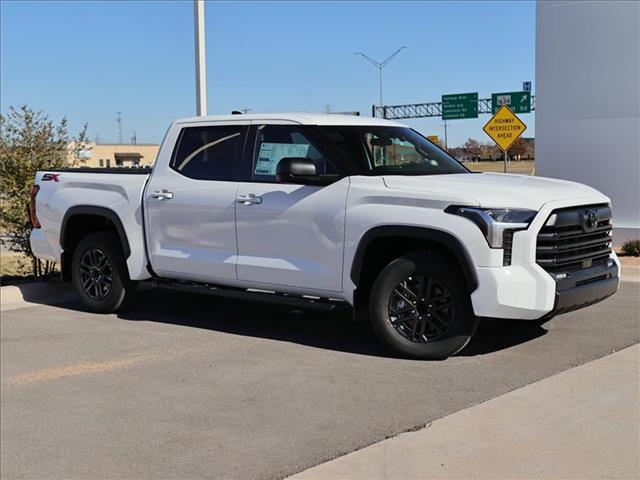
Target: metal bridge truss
{"type": "Point", "coordinates": [424, 110]}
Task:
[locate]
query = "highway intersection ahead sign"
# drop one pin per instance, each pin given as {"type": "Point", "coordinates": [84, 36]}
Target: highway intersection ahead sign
{"type": "Point", "coordinates": [504, 128]}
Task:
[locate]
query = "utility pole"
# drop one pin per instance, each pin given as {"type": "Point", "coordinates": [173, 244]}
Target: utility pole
{"type": "Point", "coordinates": [201, 60]}
{"type": "Point", "coordinates": [446, 144]}
{"type": "Point", "coordinates": [380, 65]}
{"type": "Point", "coordinates": [119, 120]}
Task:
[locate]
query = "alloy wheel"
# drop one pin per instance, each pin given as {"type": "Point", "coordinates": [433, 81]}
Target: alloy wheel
{"type": "Point", "coordinates": [96, 274]}
{"type": "Point", "coordinates": [421, 309]}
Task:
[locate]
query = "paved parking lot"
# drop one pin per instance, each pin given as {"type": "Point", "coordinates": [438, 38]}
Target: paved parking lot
{"type": "Point", "coordinates": [191, 386]}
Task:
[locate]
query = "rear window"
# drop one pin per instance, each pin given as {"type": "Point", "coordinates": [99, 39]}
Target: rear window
{"type": "Point", "coordinates": [207, 153]}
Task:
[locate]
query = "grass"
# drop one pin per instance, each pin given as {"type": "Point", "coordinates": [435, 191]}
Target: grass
{"type": "Point", "coordinates": [525, 167]}
{"type": "Point", "coordinates": [16, 266]}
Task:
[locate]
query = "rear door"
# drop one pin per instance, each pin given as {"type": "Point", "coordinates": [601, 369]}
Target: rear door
{"type": "Point", "coordinates": [290, 235]}
{"type": "Point", "coordinates": [190, 205]}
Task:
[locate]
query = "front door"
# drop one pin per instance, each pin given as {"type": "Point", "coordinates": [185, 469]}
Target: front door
{"type": "Point", "coordinates": [290, 235]}
{"type": "Point", "coordinates": [190, 206]}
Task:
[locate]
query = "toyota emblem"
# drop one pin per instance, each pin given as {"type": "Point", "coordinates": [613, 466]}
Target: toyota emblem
{"type": "Point", "coordinates": [589, 220]}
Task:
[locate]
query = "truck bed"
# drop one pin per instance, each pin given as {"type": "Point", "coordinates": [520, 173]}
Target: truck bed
{"type": "Point", "coordinates": [117, 170]}
{"type": "Point", "coordinates": [86, 191]}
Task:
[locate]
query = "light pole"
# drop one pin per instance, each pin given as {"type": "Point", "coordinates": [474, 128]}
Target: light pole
{"type": "Point", "coordinates": [380, 65]}
{"type": "Point", "coordinates": [201, 60]}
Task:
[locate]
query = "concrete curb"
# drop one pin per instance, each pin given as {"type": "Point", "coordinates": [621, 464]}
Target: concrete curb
{"type": "Point", "coordinates": [630, 273]}
{"type": "Point", "coordinates": [35, 293]}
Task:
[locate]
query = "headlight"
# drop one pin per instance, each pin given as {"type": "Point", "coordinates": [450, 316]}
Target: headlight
{"type": "Point", "coordinates": [493, 222]}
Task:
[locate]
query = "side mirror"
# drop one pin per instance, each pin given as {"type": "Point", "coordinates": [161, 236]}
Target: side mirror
{"type": "Point", "coordinates": [296, 170]}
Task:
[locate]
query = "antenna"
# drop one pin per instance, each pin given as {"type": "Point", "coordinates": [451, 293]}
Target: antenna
{"type": "Point", "coordinates": [119, 120]}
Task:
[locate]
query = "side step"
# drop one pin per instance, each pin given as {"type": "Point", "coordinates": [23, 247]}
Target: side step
{"type": "Point", "coordinates": [315, 303]}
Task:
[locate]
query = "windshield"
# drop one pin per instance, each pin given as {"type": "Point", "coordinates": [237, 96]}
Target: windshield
{"type": "Point", "coordinates": [374, 150]}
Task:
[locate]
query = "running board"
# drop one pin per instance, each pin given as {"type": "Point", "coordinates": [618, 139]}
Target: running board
{"type": "Point", "coordinates": [302, 301]}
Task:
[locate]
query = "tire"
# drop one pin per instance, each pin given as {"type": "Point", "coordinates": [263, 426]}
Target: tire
{"type": "Point", "coordinates": [440, 324]}
{"type": "Point", "coordinates": [99, 273]}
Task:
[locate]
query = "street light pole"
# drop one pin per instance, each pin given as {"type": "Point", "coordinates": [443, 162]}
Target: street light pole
{"type": "Point", "coordinates": [380, 81]}
{"type": "Point", "coordinates": [380, 65]}
{"type": "Point", "coordinates": [201, 60]}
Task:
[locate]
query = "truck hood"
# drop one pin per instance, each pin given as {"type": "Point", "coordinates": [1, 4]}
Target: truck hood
{"type": "Point", "coordinates": [495, 189]}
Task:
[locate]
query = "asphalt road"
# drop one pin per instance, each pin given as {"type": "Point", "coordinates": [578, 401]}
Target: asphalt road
{"type": "Point", "coordinates": [187, 386]}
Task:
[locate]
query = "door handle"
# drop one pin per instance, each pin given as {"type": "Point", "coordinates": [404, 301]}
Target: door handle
{"type": "Point", "coordinates": [162, 195]}
{"type": "Point", "coordinates": [249, 199]}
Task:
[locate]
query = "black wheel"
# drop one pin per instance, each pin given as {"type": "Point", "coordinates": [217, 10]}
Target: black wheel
{"type": "Point", "coordinates": [420, 307]}
{"type": "Point", "coordinates": [99, 273]}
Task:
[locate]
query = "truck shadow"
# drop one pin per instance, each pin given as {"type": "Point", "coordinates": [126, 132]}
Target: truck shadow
{"type": "Point", "coordinates": [495, 334]}
{"type": "Point", "coordinates": [326, 330]}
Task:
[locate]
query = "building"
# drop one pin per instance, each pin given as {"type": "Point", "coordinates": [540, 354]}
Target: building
{"type": "Point", "coordinates": [120, 155]}
{"type": "Point", "coordinates": [588, 101]}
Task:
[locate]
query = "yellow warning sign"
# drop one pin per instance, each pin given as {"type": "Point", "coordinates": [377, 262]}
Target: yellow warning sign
{"type": "Point", "coordinates": [433, 138]}
{"type": "Point", "coordinates": [504, 128]}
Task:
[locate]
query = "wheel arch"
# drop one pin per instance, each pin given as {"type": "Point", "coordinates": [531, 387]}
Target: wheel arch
{"type": "Point", "coordinates": [81, 220]}
{"type": "Point", "coordinates": [432, 237]}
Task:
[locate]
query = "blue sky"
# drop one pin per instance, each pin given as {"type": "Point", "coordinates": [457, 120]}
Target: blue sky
{"type": "Point", "coordinates": [89, 60]}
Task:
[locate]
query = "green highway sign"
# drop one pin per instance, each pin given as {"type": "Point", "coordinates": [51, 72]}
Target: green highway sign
{"type": "Point", "coordinates": [459, 105]}
{"type": "Point", "coordinates": [518, 102]}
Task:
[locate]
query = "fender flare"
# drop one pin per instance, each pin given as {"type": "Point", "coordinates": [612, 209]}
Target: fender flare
{"type": "Point", "coordinates": [421, 233]}
{"type": "Point", "coordinates": [98, 212]}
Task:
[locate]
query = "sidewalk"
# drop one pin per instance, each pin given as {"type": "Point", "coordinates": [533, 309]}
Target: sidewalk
{"type": "Point", "coordinates": [30, 294]}
{"type": "Point", "coordinates": [581, 423]}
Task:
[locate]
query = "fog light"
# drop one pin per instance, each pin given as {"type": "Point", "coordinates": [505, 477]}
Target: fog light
{"type": "Point", "coordinates": [610, 262]}
{"type": "Point", "coordinates": [560, 276]}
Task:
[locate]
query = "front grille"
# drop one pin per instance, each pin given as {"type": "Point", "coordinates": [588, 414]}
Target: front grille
{"type": "Point", "coordinates": [575, 238]}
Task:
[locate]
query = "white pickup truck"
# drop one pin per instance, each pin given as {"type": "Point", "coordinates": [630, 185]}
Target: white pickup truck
{"type": "Point", "coordinates": [329, 210]}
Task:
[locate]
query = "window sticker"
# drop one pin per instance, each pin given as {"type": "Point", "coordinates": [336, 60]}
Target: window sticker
{"type": "Point", "coordinates": [271, 153]}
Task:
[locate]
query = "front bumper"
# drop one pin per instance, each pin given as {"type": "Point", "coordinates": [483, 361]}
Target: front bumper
{"type": "Point", "coordinates": [585, 288]}
{"type": "Point", "coordinates": [528, 292]}
{"type": "Point", "coordinates": [523, 291]}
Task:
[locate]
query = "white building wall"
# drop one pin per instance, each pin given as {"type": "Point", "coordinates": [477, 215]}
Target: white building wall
{"type": "Point", "coordinates": [588, 100]}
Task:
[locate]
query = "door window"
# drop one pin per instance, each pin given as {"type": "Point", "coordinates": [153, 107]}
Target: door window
{"type": "Point", "coordinates": [275, 142]}
{"type": "Point", "coordinates": [207, 153]}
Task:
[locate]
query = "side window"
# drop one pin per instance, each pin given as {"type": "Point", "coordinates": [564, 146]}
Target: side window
{"type": "Point", "coordinates": [391, 150]}
{"type": "Point", "coordinates": [207, 153]}
{"type": "Point", "coordinates": [275, 142]}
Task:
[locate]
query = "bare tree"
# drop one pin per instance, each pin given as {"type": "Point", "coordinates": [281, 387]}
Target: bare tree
{"type": "Point", "coordinates": [520, 148]}
{"type": "Point", "coordinates": [472, 147]}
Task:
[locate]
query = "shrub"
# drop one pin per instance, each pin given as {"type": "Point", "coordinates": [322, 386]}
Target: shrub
{"type": "Point", "coordinates": [30, 141]}
{"type": "Point", "coordinates": [631, 248]}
